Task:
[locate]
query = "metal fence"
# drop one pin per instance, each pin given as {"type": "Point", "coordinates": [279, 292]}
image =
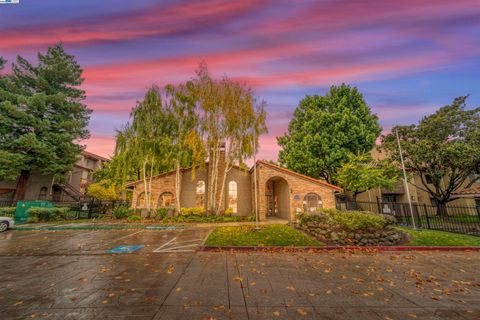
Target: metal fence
{"type": "Point", "coordinates": [458, 219]}
{"type": "Point", "coordinates": [7, 203]}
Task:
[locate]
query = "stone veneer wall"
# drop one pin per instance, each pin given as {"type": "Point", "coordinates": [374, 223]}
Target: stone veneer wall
{"type": "Point", "coordinates": [161, 184]}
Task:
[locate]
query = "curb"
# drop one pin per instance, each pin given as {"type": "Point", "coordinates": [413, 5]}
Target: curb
{"type": "Point", "coordinates": [333, 248]}
{"type": "Point", "coordinates": [100, 227]}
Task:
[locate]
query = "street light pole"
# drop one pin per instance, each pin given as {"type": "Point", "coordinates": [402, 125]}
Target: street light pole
{"type": "Point", "coordinates": [257, 227]}
{"type": "Point", "coordinates": [405, 180]}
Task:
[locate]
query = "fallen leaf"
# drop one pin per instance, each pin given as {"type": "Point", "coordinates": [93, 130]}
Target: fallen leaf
{"type": "Point", "coordinates": [291, 288]}
{"type": "Point", "coordinates": [301, 312]}
{"type": "Point", "coordinates": [276, 313]}
{"type": "Point", "coordinates": [17, 303]}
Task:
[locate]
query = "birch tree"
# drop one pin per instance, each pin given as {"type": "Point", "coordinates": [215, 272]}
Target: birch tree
{"type": "Point", "coordinates": [231, 117]}
{"type": "Point", "coordinates": [184, 137]}
{"type": "Point", "coordinates": [144, 144]}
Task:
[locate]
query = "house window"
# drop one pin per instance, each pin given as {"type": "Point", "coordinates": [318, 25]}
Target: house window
{"type": "Point", "coordinates": [389, 198]}
{"type": "Point", "coordinates": [429, 179]}
{"type": "Point", "coordinates": [200, 194]}
{"type": "Point", "coordinates": [141, 200]}
{"type": "Point", "coordinates": [42, 195]}
{"type": "Point", "coordinates": [232, 196]}
{"type": "Point", "coordinates": [312, 202]}
{"type": "Point", "coordinates": [166, 200]}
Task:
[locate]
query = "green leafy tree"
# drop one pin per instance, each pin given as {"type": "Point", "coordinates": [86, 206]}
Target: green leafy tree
{"type": "Point", "coordinates": [361, 173]}
{"type": "Point", "coordinates": [42, 115]}
{"type": "Point", "coordinates": [324, 130]}
{"type": "Point", "coordinates": [103, 190]}
{"type": "Point", "coordinates": [444, 146]}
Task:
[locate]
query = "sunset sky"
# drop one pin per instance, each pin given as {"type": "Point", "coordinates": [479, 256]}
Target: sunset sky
{"type": "Point", "coordinates": [408, 57]}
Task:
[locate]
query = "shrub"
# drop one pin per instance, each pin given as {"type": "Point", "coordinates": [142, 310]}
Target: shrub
{"type": "Point", "coordinates": [349, 220]}
{"type": "Point", "coordinates": [229, 212]}
{"type": "Point", "coordinates": [47, 214]}
{"type": "Point", "coordinates": [195, 211]}
{"type": "Point", "coordinates": [121, 212]}
{"type": "Point", "coordinates": [134, 218]}
{"type": "Point", "coordinates": [164, 213]}
{"type": "Point", "coordinates": [7, 211]}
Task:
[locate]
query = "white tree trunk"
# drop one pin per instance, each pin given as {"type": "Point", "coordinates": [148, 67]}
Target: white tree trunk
{"type": "Point", "coordinates": [145, 184]}
{"type": "Point", "coordinates": [150, 188]}
{"type": "Point", "coordinates": [222, 189]}
{"type": "Point", "coordinates": [177, 186]}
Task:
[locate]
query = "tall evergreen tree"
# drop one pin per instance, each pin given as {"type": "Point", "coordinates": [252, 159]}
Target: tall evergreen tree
{"type": "Point", "coordinates": [324, 130]}
{"type": "Point", "coordinates": [42, 115]}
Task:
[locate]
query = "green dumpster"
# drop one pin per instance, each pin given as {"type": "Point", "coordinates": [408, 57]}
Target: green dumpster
{"type": "Point", "coordinates": [21, 214]}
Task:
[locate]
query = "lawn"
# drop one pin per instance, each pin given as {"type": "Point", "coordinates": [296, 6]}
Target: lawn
{"type": "Point", "coordinates": [268, 235]}
{"type": "Point", "coordinates": [439, 238]}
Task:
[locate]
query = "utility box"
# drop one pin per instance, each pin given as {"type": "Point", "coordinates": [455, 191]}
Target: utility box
{"type": "Point", "coordinates": [21, 214]}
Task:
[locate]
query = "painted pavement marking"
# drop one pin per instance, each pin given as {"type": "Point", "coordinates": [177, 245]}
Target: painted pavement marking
{"type": "Point", "coordinates": [179, 246]}
{"type": "Point", "coordinates": [125, 249]}
{"type": "Point", "coordinates": [128, 235]}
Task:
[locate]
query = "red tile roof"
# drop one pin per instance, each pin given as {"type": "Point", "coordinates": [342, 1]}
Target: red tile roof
{"type": "Point", "coordinates": [469, 191]}
{"type": "Point", "coordinates": [293, 173]}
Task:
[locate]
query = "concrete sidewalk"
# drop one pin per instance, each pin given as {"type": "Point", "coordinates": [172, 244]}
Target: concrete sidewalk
{"type": "Point", "coordinates": [69, 275]}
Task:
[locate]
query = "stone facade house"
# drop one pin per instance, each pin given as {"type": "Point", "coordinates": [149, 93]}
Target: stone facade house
{"type": "Point", "coordinates": [280, 192]}
{"type": "Point", "coordinates": [44, 187]}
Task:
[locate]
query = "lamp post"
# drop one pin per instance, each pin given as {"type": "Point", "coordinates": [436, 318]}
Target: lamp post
{"type": "Point", "coordinates": [405, 180]}
{"type": "Point", "coordinates": [257, 227]}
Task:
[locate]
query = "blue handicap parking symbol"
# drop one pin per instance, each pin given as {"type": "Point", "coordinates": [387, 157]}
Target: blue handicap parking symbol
{"type": "Point", "coordinates": [125, 249]}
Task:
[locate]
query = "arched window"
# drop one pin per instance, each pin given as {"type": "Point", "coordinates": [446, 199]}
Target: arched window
{"type": "Point", "coordinates": [141, 200]}
{"type": "Point", "coordinates": [166, 200]}
{"type": "Point", "coordinates": [312, 202]}
{"type": "Point", "coordinates": [200, 194]}
{"type": "Point", "coordinates": [42, 195]}
{"type": "Point", "coordinates": [232, 196]}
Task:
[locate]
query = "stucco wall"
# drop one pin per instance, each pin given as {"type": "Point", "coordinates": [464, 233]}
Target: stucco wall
{"type": "Point", "coordinates": [244, 191]}
{"type": "Point", "coordinates": [188, 198]}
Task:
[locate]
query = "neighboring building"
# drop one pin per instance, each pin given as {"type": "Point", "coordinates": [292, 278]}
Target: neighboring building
{"type": "Point", "coordinates": [281, 192]}
{"type": "Point", "coordinates": [44, 187]}
{"type": "Point", "coordinates": [463, 197]}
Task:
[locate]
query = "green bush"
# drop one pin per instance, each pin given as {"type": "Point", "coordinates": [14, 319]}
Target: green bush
{"type": "Point", "coordinates": [7, 211]}
{"type": "Point", "coordinates": [349, 220]}
{"type": "Point", "coordinates": [134, 218]}
{"type": "Point", "coordinates": [162, 213]}
{"type": "Point", "coordinates": [122, 212]}
{"type": "Point", "coordinates": [47, 214]}
{"type": "Point", "coordinates": [195, 211]}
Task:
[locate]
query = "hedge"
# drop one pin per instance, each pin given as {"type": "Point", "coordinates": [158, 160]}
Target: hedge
{"type": "Point", "coordinates": [47, 214]}
{"type": "Point", "coordinates": [7, 211]}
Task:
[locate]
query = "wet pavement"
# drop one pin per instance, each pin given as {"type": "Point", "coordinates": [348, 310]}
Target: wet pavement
{"type": "Point", "coordinates": [71, 275]}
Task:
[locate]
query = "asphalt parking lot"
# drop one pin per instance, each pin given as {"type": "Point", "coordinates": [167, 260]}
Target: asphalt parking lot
{"type": "Point", "coordinates": [76, 275]}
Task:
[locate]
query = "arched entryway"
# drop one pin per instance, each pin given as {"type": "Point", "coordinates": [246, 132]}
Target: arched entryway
{"type": "Point", "coordinates": [277, 195]}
